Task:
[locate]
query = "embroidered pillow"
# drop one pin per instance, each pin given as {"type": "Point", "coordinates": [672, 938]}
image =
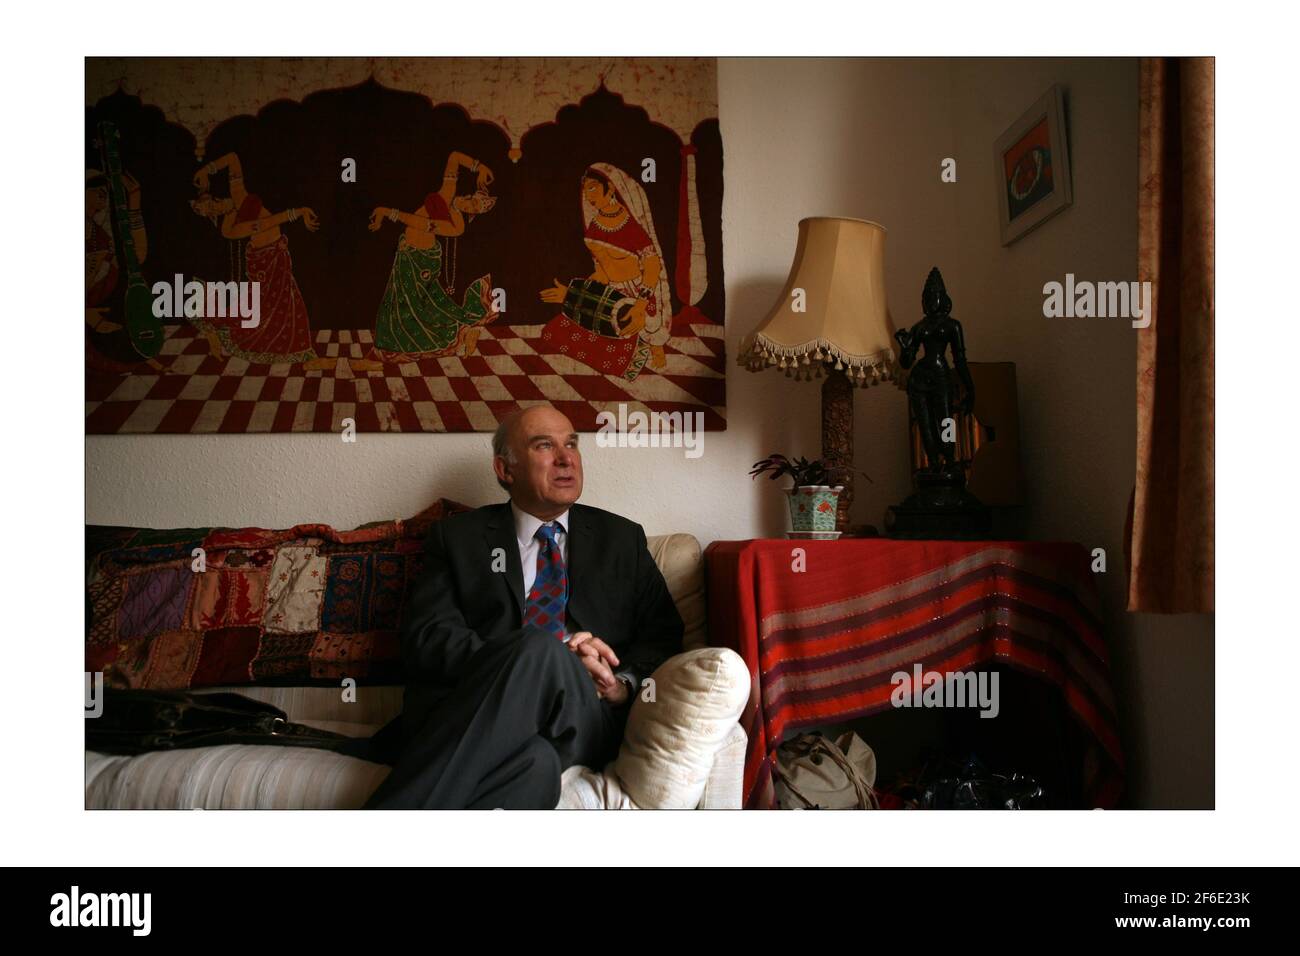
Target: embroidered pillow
{"type": "Point", "coordinates": [198, 607]}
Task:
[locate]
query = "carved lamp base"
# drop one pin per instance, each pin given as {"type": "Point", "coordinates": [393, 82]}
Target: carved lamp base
{"type": "Point", "coordinates": [837, 437]}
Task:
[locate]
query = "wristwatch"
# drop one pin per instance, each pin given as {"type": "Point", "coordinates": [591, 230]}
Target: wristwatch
{"type": "Point", "coordinates": [630, 681]}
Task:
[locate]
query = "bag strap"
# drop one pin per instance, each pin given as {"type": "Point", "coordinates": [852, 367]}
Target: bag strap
{"type": "Point", "coordinates": [867, 799]}
{"type": "Point", "coordinates": [815, 743]}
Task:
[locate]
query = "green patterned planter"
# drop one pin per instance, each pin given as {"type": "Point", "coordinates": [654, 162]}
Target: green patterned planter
{"type": "Point", "coordinates": [812, 507]}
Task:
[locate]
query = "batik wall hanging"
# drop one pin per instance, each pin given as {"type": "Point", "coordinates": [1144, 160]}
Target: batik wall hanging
{"type": "Point", "coordinates": [280, 245]}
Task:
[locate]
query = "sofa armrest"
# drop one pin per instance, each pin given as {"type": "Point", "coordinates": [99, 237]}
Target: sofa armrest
{"type": "Point", "coordinates": [723, 790]}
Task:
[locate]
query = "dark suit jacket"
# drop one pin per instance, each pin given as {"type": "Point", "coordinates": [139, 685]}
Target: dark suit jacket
{"type": "Point", "coordinates": [460, 603]}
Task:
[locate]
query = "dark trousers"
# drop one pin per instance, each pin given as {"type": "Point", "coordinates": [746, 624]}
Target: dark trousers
{"type": "Point", "coordinates": [524, 711]}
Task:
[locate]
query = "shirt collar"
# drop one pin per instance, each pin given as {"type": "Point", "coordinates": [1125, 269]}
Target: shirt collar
{"type": "Point", "coordinates": [526, 525]}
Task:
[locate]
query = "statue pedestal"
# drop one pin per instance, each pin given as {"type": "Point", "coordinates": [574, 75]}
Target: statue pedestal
{"type": "Point", "coordinates": [941, 507]}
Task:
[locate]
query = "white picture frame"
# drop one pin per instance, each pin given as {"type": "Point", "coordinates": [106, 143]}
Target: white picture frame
{"type": "Point", "coordinates": [1032, 167]}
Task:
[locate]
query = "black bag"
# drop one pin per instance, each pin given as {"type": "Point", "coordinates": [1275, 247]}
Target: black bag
{"type": "Point", "coordinates": [944, 784]}
{"type": "Point", "coordinates": [135, 721]}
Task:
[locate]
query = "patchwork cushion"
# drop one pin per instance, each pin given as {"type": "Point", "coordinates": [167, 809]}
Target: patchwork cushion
{"type": "Point", "coordinates": [201, 607]}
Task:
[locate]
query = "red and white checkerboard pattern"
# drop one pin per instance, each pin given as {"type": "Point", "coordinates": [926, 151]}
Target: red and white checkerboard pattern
{"type": "Point", "coordinates": [200, 393]}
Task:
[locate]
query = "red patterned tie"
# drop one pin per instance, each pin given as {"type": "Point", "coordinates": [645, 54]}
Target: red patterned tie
{"type": "Point", "coordinates": [550, 593]}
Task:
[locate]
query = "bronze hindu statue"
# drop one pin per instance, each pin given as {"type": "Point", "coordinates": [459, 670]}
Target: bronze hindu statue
{"type": "Point", "coordinates": [941, 507]}
{"type": "Point", "coordinates": [930, 386]}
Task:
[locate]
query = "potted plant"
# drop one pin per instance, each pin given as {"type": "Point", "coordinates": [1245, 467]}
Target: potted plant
{"type": "Point", "coordinates": [814, 496]}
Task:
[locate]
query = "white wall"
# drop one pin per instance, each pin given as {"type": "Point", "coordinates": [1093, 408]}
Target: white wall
{"type": "Point", "coordinates": [806, 137]}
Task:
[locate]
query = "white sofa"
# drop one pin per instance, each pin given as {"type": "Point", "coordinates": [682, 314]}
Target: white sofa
{"type": "Point", "coordinates": [683, 750]}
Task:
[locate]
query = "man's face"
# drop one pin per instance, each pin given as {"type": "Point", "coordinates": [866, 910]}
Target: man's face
{"type": "Point", "coordinates": [546, 477]}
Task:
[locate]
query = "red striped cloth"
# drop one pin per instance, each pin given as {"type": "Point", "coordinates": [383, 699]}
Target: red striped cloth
{"type": "Point", "coordinates": [822, 645]}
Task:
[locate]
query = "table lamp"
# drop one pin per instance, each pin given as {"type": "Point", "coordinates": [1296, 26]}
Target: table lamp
{"type": "Point", "coordinates": [831, 323]}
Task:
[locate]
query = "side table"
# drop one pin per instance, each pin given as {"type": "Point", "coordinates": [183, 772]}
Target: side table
{"type": "Point", "coordinates": [822, 643]}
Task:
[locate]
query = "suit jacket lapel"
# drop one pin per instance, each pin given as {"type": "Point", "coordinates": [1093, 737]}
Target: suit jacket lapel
{"type": "Point", "coordinates": [582, 550]}
{"type": "Point", "coordinates": [501, 534]}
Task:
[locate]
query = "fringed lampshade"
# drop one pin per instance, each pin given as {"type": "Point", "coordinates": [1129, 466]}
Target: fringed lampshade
{"type": "Point", "coordinates": [831, 321]}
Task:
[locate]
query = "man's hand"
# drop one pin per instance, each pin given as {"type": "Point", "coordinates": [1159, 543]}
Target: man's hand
{"type": "Point", "coordinates": [597, 657]}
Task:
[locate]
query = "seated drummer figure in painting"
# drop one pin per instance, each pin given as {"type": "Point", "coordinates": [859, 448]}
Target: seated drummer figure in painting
{"type": "Point", "coordinates": [627, 293]}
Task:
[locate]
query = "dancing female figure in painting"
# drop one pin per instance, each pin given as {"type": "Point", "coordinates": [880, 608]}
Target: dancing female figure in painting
{"type": "Point", "coordinates": [283, 333]}
{"type": "Point", "coordinates": [418, 318]}
{"type": "Point", "coordinates": [619, 233]}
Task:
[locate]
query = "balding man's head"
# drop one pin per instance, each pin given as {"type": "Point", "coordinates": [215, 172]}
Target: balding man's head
{"type": "Point", "coordinates": [536, 459]}
{"type": "Point", "coordinates": [501, 441]}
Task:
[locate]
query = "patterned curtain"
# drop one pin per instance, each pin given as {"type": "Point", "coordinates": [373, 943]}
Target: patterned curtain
{"type": "Point", "coordinates": [1171, 548]}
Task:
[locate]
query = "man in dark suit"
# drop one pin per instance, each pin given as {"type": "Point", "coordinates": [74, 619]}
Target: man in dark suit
{"type": "Point", "coordinates": [527, 637]}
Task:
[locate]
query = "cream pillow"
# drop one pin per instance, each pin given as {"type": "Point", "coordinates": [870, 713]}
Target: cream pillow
{"type": "Point", "coordinates": [670, 742]}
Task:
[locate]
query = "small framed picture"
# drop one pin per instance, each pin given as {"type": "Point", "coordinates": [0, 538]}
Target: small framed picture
{"type": "Point", "coordinates": [1033, 167]}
